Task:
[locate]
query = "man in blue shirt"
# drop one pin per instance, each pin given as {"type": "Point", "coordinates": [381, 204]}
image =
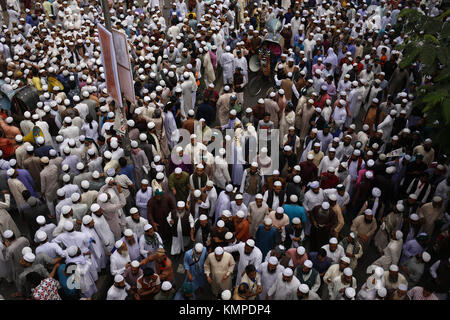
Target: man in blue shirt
{"type": "Point", "coordinates": [320, 261]}
{"type": "Point", "coordinates": [293, 209]}
{"type": "Point", "coordinates": [266, 237]}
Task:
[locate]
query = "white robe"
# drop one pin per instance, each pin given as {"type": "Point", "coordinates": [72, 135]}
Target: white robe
{"type": "Point", "coordinates": [267, 278]}
{"type": "Point", "coordinates": [118, 263]}
{"type": "Point", "coordinates": [179, 242]}
{"type": "Point", "coordinates": [281, 290]}
{"type": "Point", "coordinates": [255, 258]}
{"type": "Point", "coordinates": [104, 232]}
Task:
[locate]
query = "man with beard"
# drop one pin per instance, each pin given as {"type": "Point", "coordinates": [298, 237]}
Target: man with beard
{"type": "Point", "coordinates": [135, 222]}
{"type": "Point", "coordinates": [248, 254]}
{"type": "Point", "coordinates": [339, 284]}
{"type": "Point", "coordinates": [303, 293]}
{"type": "Point", "coordinates": [308, 170]}
{"type": "Point", "coordinates": [194, 261]}
{"type": "Point", "coordinates": [352, 249]}
{"type": "Point", "coordinates": [414, 267]}
{"type": "Point", "coordinates": [334, 251]}
{"type": "Point", "coordinates": [391, 254]}
{"type": "Point", "coordinates": [257, 212]}
{"type": "Point", "coordinates": [306, 274]}
{"type": "Point", "coordinates": [120, 259]}
{"type": "Point", "coordinates": [142, 197]}
{"type": "Point", "coordinates": [275, 198]}
{"type": "Point", "coordinates": [119, 290]}
{"type": "Point", "coordinates": [323, 222]}
{"type": "Point", "coordinates": [182, 228]}
{"type": "Point", "coordinates": [131, 241]}
{"type": "Point", "coordinates": [252, 183]}
{"type": "Point", "coordinates": [219, 266]}
{"type": "Point", "coordinates": [202, 230]}
{"type": "Point", "coordinates": [335, 270]}
{"type": "Point", "coordinates": [268, 272]}
{"type": "Point", "coordinates": [364, 226]}
{"type": "Point", "coordinates": [266, 236]}
{"type": "Point", "coordinates": [149, 243]}
{"type": "Point", "coordinates": [393, 279]}
{"type": "Point", "coordinates": [159, 208]}
{"type": "Point", "coordinates": [285, 286]}
{"type": "Point", "coordinates": [294, 233]}
{"type": "Point", "coordinates": [420, 187]}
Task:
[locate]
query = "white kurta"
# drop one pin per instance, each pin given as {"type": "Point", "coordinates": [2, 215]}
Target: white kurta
{"type": "Point", "coordinates": [281, 290]}
{"type": "Point", "coordinates": [255, 257]}
{"type": "Point", "coordinates": [267, 278]}
{"type": "Point", "coordinates": [180, 241]}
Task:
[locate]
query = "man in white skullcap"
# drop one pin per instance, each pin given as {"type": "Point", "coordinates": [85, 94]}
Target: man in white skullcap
{"type": "Point", "coordinates": [313, 197]}
{"type": "Point", "coordinates": [131, 240]}
{"type": "Point", "coordinates": [95, 244]}
{"type": "Point", "coordinates": [223, 201]}
{"type": "Point", "coordinates": [431, 212]}
{"type": "Point", "coordinates": [393, 279]}
{"type": "Point", "coordinates": [143, 195]}
{"type": "Point", "coordinates": [285, 286]}
{"type": "Point", "coordinates": [334, 250]}
{"type": "Point", "coordinates": [335, 270]}
{"type": "Point", "coordinates": [167, 292]}
{"type": "Point", "coordinates": [135, 222]}
{"type": "Point", "coordinates": [49, 184]}
{"type": "Point", "coordinates": [219, 266]}
{"type": "Point", "coordinates": [266, 236]}
{"type": "Point", "coordinates": [102, 228]}
{"type": "Point", "coordinates": [414, 267]}
{"type": "Point", "coordinates": [227, 62]}
{"type": "Point", "coordinates": [120, 259]}
{"type": "Point", "coordinates": [338, 285]}
{"type": "Point", "coordinates": [248, 254]}
{"type": "Point", "coordinates": [16, 187]}
{"type": "Point", "coordinates": [392, 252]}
{"type": "Point", "coordinates": [29, 265]}
{"type": "Point", "coordinates": [119, 290]}
{"type": "Point", "coordinates": [308, 275]}
{"type": "Point", "coordinates": [12, 253]}
{"type": "Point", "coordinates": [258, 210]}
{"type": "Point", "coordinates": [182, 228]}
{"type": "Point", "coordinates": [374, 282]}
{"type": "Point", "coordinates": [111, 200]}
{"type": "Point", "coordinates": [46, 227]}
{"type": "Point", "coordinates": [251, 184]}
{"type": "Point", "coordinates": [364, 226]}
{"type": "Point", "coordinates": [194, 261]}
{"type": "Point", "coordinates": [50, 249]}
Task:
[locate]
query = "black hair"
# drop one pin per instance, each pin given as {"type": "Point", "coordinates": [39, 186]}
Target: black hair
{"type": "Point", "coordinates": [26, 194]}
{"type": "Point", "coordinates": [243, 288]}
{"type": "Point", "coordinates": [123, 162]}
{"type": "Point", "coordinates": [322, 252]}
{"type": "Point", "coordinates": [89, 120]}
{"type": "Point", "coordinates": [148, 272]}
{"type": "Point", "coordinates": [34, 278]}
{"type": "Point", "coordinates": [250, 268]}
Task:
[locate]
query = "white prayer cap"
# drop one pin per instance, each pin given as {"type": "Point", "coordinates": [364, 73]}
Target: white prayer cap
{"type": "Point", "coordinates": [198, 247]}
{"type": "Point", "coordinates": [273, 260]}
{"type": "Point", "coordinates": [68, 225]}
{"type": "Point", "coordinates": [85, 184]}
{"type": "Point", "coordinates": [19, 138]}
{"type": "Point", "coordinates": [107, 154]}
{"type": "Point", "coordinates": [228, 235]}
{"type": "Point", "coordinates": [277, 184]}
{"type": "Point", "coordinates": [41, 235]}
{"type": "Point", "coordinates": [250, 243]}
{"type": "Point", "coordinates": [87, 219]}
{"type": "Point", "coordinates": [393, 268]}
{"type": "Point", "coordinates": [333, 240]}
{"type": "Point", "coordinates": [325, 205]}
{"type": "Point", "coordinates": [287, 148]}
{"type": "Point", "coordinates": [197, 193]}
{"type": "Point", "coordinates": [314, 184]}
{"type": "Point", "coordinates": [414, 217]}
{"type": "Point", "coordinates": [226, 295]}
{"type": "Point", "coordinates": [310, 156]}
{"type": "Point", "coordinates": [398, 235]}
{"type": "Point", "coordinates": [332, 197]}
{"type": "Point", "coordinates": [118, 244]}
{"type": "Point", "coordinates": [369, 174]}
{"type": "Point", "coordinates": [368, 212]}
{"type": "Point", "coordinates": [293, 198]}
{"type": "Point", "coordinates": [118, 278]}
{"type": "Point", "coordinates": [29, 257]}
{"type": "Point", "coordinates": [350, 292]}
{"type": "Point", "coordinates": [297, 179]}
{"type": "Point", "coordinates": [259, 196]}
{"type": "Point", "coordinates": [226, 213]}
{"type": "Point", "coordinates": [308, 264]}
{"type": "Point", "coordinates": [30, 148]}
{"type": "Point", "coordinates": [60, 192]}
{"type": "Point", "coordinates": [218, 251]}
{"type": "Point", "coordinates": [301, 250]}
{"type": "Point", "coordinates": [220, 224]}
{"type": "Point", "coordinates": [159, 176]}
{"type": "Point", "coordinates": [151, 125]}
{"type": "Point", "coordinates": [296, 220]}
{"type": "Point", "coordinates": [240, 214]}
{"type": "Point", "coordinates": [426, 256]}
{"type": "Point", "coordinates": [166, 285]}
{"type": "Point", "coordinates": [65, 209]}
{"type": "Point", "coordinates": [103, 197]}
{"type": "Point", "coordinates": [229, 188]}
{"type": "Point", "coordinates": [303, 288]}
{"type": "Point", "coordinates": [254, 164]}
{"type": "Point", "coordinates": [348, 272]}
{"type": "Point", "coordinates": [203, 217]}
{"type": "Point", "coordinates": [437, 199]}
{"type": "Point", "coordinates": [95, 207]}
{"type": "Point", "coordinates": [148, 227]}
{"type": "Point", "coordinates": [376, 192]}
{"type": "Point", "coordinates": [287, 272]}
{"type": "Point", "coordinates": [279, 210]}
{"type": "Point", "coordinates": [75, 197]}
{"type": "Point", "coordinates": [268, 221]}
{"type": "Point", "coordinates": [181, 204]}
{"type": "Point", "coordinates": [345, 259]}
{"type": "Point", "coordinates": [10, 172]}
{"type": "Point", "coordinates": [271, 95]}
{"type": "Point", "coordinates": [128, 233]}
{"type": "Point", "coordinates": [40, 220]}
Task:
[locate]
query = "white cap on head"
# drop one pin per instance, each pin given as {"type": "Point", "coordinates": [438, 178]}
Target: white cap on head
{"type": "Point", "coordinates": [393, 268]}
{"type": "Point", "coordinates": [218, 251]}
{"type": "Point", "coordinates": [273, 260]}
{"type": "Point", "coordinates": [333, 241]}
{"type": "Point", "coordinates": [40, 220]}
{"type": "Point", "coordinates": [350, 292]}
{"type": "Point", "coordinates": [226, 295]}
{"type": "Point", "coordinates": [135, 264]}
{"type": "Point", "coordinates": [308, 263]}
{"type": "Point", "coordinates": [29, 257]}
{"type": "Point", "coordinates": [68, 225]}
{"type": "Point", "coordinates": [87, 219]}
{"type": "Point", "coordinates": [250, 243]}
{"type": "Point", "coordinates": [95, 207]}
{"type": "Point", "coordinates": [303, 288]}
{"type": "Point", "coordinates": [103, 197]}
{"type": "Point", "coordinates": [41, 235]}
{"type": "Point", "coordinates": [301, 250]}
{"type": "Point", "coordinates": [166, 286]}
{"type": "Point", "coordinates": [325, 205]}
{"type": "Point", "coordinates": [220, 224]}
{"type": "Point", "coordinates": [128, 233]}
{"type": "Point", "coordinates": [118, 278]}
{"type": "Point", "coordinates": [198, 247]}
{"type": "Point", "coordinates": [148, 227]}
{"type": "Point", "coordinates": [426, 256]}
{"type": "Point", "coordinates": [287, 272]}
{"type": "Point", "coordinates": [348, 272]}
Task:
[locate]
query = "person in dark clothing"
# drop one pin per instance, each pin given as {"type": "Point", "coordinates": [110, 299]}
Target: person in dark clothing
{"type": "Point", "coordinates": [324, 220]}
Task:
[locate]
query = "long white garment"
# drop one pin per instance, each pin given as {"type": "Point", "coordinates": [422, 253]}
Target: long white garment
{"type": "Point", "coordinates": [180, 241]}
{"type": "Point", "coordinates": [133, 250]}
{"type": "Point", "coordinates": [255, 257]}
{"type": "Point", "coordinates": [118, 263]}
{"type": "Point", "coordinates": [282, 290]}
{"type": "Point", "coordinates": [391, 254]}
{"type": "Point", "coordinates": [104, 231]}
{"type": "Point", "coordinates": [115, 293]}
{"type": "Point", "coordinates": [96, 247]}
{"type": "Point", "coordinates": [223, 203]}
{"type": "Point", "coordinates": [136, 227]}
{"type": "Point", "coordinates": [336, 285]}
{"type": "Point", "coordinates": [267, 278]}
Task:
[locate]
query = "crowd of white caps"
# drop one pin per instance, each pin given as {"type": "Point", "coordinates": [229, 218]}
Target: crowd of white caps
{"type": "Point", "coordinates": [89, 186]}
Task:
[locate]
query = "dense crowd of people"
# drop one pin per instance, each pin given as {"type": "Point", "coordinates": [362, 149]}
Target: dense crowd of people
{"type": "Point", "coordinates": [274, 200]}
